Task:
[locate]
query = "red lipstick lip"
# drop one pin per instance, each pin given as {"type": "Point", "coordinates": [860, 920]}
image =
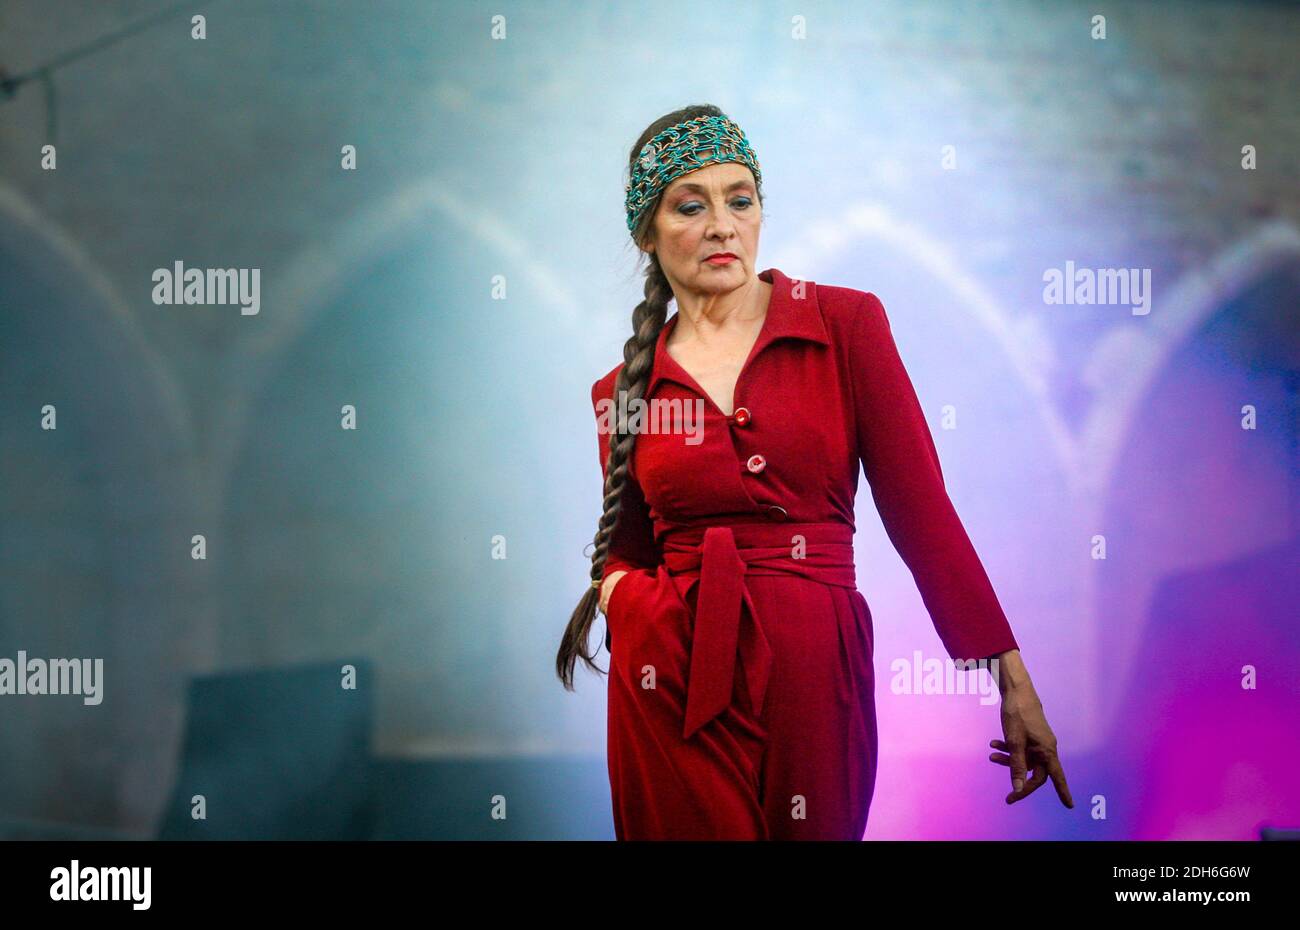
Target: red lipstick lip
{"type": "Point", "coordinates": [717, 255]}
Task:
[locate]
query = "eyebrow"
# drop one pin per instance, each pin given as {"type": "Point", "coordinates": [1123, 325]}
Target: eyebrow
{"type": "Point", "coordinates": [692, 186]}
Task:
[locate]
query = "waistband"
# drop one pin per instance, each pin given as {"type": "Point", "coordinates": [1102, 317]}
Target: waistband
{"type": "Point", "coordinates": [723, 556]}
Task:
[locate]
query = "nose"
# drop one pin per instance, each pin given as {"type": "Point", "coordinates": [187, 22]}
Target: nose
{"type": "Point", "coordinates": [722, 228]}
{"type": "Point", "coordinates": [722, 225]}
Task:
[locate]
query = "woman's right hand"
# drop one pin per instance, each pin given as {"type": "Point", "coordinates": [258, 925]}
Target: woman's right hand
{"type": "Point", "coordinates": [607, 589]}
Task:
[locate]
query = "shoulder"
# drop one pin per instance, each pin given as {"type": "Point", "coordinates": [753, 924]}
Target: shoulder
{"type": "Point", "coordinates": [848, 312]}
{"type": "Point", "coordinates": [604, 386]}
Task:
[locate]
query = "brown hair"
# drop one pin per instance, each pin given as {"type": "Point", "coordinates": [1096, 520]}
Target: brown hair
{"type": "Point", "coordinates": [648, 319]}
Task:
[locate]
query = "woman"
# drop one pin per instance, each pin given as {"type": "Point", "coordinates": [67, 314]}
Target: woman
{"type": "Point", "coordinates": [741, 698]}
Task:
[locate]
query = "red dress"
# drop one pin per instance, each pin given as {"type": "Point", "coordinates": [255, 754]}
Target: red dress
{"type": "Point", "coordinates": [741, 700]}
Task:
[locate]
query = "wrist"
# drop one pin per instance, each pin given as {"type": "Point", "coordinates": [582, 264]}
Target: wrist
{"type": "Point", "coordinates": [1011, 674]}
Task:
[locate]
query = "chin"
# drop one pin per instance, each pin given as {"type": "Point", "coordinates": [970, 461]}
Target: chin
{"type": "Point", "coordinates": [726, 278]}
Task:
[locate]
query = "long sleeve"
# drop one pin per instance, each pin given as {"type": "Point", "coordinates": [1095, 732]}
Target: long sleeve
{"type": "Point", "coordinates": [632, 545]}
{"type": "Point", "coordinates": [902, 467]}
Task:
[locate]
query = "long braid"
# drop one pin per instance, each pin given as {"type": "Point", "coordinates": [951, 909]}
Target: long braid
{"type": "Point", "coordinates": [638, 359]}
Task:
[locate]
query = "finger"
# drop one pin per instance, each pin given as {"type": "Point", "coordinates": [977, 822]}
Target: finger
{"type": "Point", "coordinates": [1020, 792]}
{"type": "Point", "coordinates": [998, 744]}
{"type": "Point", "coordinates": [1017, 770]}
{"type": "Point", "coordinates": [1000, 758]}
{"type": "Point", "coordinates": [606, 590]}
{"type": "Point", "coordinates": [1027, 788]}
{"type": "Point", "coordinates": [1036, 782]}
{"type": "Point", "coordinates": [1058, 780]}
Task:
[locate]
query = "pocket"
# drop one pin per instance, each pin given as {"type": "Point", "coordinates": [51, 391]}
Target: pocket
{"type": "Point", "coordinates": [614, 609]}
{"type": "Point", "coordinates": [865, 622]}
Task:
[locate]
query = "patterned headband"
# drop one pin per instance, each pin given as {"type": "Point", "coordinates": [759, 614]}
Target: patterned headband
{"type": "Point", "coordinates": [682, 148]}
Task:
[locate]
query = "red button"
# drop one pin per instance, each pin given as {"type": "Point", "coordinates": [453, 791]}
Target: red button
{"type": "Point", "coordinates": [756, 463]}
{"type": "Point", "coordinates": [741, 416]}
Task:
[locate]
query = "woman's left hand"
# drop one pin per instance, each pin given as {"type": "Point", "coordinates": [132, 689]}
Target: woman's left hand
{"type": "Point", "coordinates": [1030, 742]}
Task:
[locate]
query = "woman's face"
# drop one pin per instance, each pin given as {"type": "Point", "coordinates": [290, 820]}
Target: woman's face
{"type": "Point", "coordinates": [710, 210]}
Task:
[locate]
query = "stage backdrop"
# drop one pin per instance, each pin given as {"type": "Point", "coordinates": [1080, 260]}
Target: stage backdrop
{"type": "Point", "coordinates": [376, 454]}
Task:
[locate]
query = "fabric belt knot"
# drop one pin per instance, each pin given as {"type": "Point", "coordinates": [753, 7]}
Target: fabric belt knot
{"type": "Point", "coordinates": [723, 556]}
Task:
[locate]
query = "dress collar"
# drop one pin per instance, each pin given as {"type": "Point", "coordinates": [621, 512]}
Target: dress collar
{"type": "Point", "coordinates": [788, 317]}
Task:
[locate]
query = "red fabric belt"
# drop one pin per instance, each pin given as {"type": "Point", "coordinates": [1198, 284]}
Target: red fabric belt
{"type": "Point", "coordinates": [723, 556]}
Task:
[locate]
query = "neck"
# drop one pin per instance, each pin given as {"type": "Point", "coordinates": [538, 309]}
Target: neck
{"type": "Point", "coordinates": [704, 314]}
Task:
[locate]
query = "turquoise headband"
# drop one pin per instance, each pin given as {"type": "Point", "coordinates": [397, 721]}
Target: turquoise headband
{"type": "Point", "coordinates": [682, 148]}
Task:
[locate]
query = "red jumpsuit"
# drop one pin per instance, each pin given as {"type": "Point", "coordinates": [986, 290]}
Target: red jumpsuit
{"type": "Point", "coordinates": [741, 700]}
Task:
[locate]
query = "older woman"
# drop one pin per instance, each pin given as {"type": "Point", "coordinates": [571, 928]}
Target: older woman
{"type": "Point", "coordinates": [741, 698]}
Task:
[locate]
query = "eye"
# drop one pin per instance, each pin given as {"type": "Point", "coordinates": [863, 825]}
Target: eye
{"type": "Point", "coordinates": [692, 207]}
